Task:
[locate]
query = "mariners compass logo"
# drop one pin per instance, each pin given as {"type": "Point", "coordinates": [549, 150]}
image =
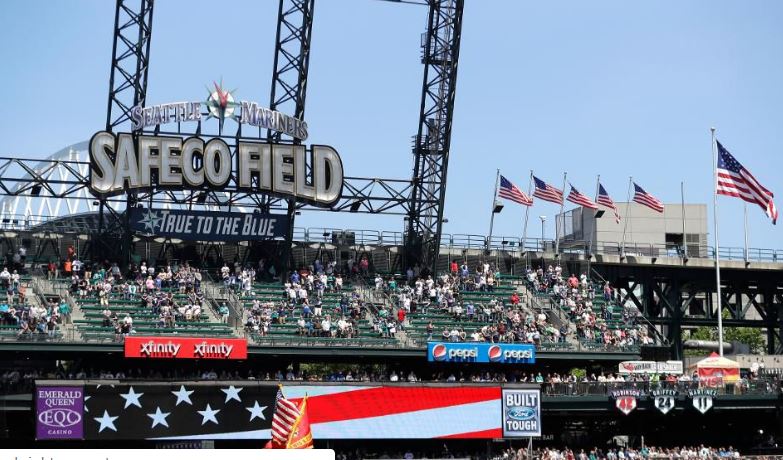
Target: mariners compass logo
{"type": "Point", "coordinates": [221, 103]}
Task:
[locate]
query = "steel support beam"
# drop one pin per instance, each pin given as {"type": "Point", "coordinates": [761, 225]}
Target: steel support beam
{"type": "Point", "coordinates": [127, 88]}
{"type": "Point", "coordinates": [432, 143]}
{"type": "Point", "coordinates": [289, 86]}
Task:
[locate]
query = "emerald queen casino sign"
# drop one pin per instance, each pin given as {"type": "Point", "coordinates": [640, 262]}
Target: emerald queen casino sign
{"type": "Point", "coordinates": [124, 162]}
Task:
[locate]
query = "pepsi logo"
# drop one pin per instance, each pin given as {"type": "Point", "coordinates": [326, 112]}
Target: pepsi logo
{"type": "Point", "coordinates": [439, 352]}
{"type": "Point", "coordinates": [495, 353]}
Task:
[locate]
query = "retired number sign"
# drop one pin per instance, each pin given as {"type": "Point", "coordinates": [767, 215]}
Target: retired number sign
{"type": "Point", "coordinates": [702, 399]}
{"type": "Point", "coordinates": [664, 400]}
{"type": "Point", "coordinates": [626, 400]}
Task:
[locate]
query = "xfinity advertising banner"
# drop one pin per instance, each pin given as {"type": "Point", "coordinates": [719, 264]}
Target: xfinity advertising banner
{"type": "Point", "coordinates": [185, 348]}
{"type": "Point", "coordinates": [207, 226]}
{"type": "Point", "coordinates": [521, 413]}
{"type": "Point", "coordinates": [481, 352]}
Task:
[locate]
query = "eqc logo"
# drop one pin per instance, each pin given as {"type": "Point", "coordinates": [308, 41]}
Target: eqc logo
{"type": "Point", "coordinates": [494, 353]}
{"type": "Point", "coordinates": [439, 352]}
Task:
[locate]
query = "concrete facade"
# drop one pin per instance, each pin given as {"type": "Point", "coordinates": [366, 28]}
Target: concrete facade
{"type": "Point", "coordinates": [646, 231]}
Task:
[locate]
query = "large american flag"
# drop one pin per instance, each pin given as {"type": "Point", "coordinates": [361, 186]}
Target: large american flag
{"type": "Point", "coordinates": [577, 198]}
{"type": "Point", "coordinates": [735, 180]}
{"type": "Point", "coordinates": [644, 198]}
{"type": "Point", "coordinates": [286, 413]}
{"type": "Point", "coordinates": [546, 192]}
{"type": "Point", "coordinates": [605, 200]}
{"type": "Point", "coordinates": [511, 192]}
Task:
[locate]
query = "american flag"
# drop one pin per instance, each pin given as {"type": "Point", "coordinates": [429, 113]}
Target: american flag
{"type": "Point", "coordinates": [577, 198]}
{"type": "Point", "coordinates": [511, 192]}
{"type": "Point", "coordinates": [735, 180]}
{"type": "Point", "coordinates": [546, 192]}
{"type": "Point", "coordinates": [642, 197]}
{"type": "Point", "coordinates": [286, 413]}
{"type": "Point", "coordinates": [605, 200]}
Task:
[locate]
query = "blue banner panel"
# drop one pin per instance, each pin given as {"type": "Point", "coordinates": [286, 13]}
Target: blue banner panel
{"type": "Point", "coordinates": [208, 225]}
{"type": "Point", "coordinates": [481, 352]}
{"type": "Point", "coordinates": [521, 413]}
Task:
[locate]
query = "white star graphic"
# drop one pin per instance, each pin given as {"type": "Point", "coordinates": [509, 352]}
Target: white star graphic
{"type": "Point", "coordinates": [131, 398]}
{"type": "Point", "coordinates": [208, 415]}
{"type": "Point", "coordinates": [183, 395]}
{"type": "Point", "coordinates": [159, 418]}
{"type": "Point", "coordinates": [86, 398]}
{"type": "Point", "coordinates": [231, 393]}
{"type": "Point", "coordinates": [256, 411]}
{"type": "Point", "coordinates": [107, 421]}
{"type": "Point", "coordinates": [150, 220]}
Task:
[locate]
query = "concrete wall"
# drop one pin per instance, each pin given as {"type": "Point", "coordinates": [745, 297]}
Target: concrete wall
{"type": "Point", "coordinates": [644, 226]}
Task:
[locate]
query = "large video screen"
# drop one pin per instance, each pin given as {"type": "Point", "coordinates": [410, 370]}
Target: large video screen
{"type": "Point", "coordinates": [243, 410]}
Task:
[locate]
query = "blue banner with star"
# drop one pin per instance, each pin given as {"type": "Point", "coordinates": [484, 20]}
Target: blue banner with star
{"type": "Point", "coordinates": [207, 225]}
{"type": "Point", "coordinates": [137, 410]}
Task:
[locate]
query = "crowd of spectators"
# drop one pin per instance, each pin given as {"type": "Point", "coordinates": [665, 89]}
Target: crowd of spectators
{"type": "Point", "coordinates": [575, 296]}
{"type": "Point", "coordinates": [700, 452]}
{"type": "Point", "coordinates": [301, 302]}
{"type": "Point", "coordinates": [496, 318]}
{"type": "Point", "coordinates": [153, 290]}
{"type": "Point", "coordinates": [32, 319]}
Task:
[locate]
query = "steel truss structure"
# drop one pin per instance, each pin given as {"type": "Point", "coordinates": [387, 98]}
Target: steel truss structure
{"type": "Point", "coordinates": [432, 143]}
{"type": "Point", "coordinates": [64, 176]}
{"type": "Point", "coordinates": [674, 298]}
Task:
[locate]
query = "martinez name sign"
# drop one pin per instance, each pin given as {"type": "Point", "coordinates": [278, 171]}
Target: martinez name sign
{"type": "Point", "coordinates": [119, 163]}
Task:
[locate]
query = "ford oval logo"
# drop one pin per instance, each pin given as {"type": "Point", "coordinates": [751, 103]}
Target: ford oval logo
{"type": "Point", "coordinates": [521, 413]}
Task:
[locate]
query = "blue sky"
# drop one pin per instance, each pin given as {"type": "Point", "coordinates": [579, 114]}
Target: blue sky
{"type": "Point", "coordinates": [615, 88]}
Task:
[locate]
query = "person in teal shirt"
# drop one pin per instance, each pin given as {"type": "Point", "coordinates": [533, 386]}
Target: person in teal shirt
{"type": "Point", "coordinates": [65, 311]}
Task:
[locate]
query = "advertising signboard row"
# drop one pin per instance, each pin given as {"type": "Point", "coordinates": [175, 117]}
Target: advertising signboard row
{"type": "Point", "coordinates": [243, 410]}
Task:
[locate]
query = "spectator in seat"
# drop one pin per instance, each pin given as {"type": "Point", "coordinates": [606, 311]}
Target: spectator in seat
{"type": "Point", "coordinates": [514, 299]}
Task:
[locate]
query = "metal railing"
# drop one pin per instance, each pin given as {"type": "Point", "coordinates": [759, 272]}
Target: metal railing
{"type": "Point", "coordinates": [741, 387]}
{"type": "Point", "coordinates": [10, 225]}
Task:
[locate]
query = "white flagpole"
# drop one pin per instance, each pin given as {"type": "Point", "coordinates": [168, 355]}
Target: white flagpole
{"type": "Point", "coordinates": [492, 209]}
{"type": "Point", "coordinates": [594, 228]}
{"type": "Point", "coordinates": [557, 219]}
{"type": "Point", "coordinates": [627, 209]}
{"type": "Point", "coordinates": [717, 247]}
{"type": "Point", "coordinates": [745, 209]}
{"type": "Point", "coordinates": [682, 205]}
{"type": "Point", "coordinates": [527, 211]}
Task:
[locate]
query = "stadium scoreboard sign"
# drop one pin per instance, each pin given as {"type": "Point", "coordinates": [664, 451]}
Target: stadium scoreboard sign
{"type": "Point", "coordinates": [125, 162]}
{"type": "Point", "coordinates": [481, 352]}
{"type": "Point", "coordinates": [208, 226]}
{"type": "Point", "coordinates": [521, 413]}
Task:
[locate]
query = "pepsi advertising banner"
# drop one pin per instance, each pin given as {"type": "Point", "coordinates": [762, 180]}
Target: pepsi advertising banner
{"type": "Point", "coordinates": [506, 353]}
{"type": "Point", "coordinates": [521, 413]}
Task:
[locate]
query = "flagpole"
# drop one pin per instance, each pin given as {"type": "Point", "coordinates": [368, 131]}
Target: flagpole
{"type": "Point", "coordinates": [557, 219]}
{"type": "Point", "coordinates": [745, 209]}
{"type": "Point", "coordinates": [527, 211]}
{"type": "Point", "coordinates": [595, 220]}
{"type": "Point", "coordinates": [682, 205]}
{"type": "Point", "coordinates": [717, 248]}
{"type": "Point", "coordinates": [492, 209]}
{"type": "Point", "coordinates": [627, 208]}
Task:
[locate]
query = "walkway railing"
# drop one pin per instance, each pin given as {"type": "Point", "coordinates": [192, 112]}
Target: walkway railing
{"type": "Point", "coordinates": [11, 225]}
